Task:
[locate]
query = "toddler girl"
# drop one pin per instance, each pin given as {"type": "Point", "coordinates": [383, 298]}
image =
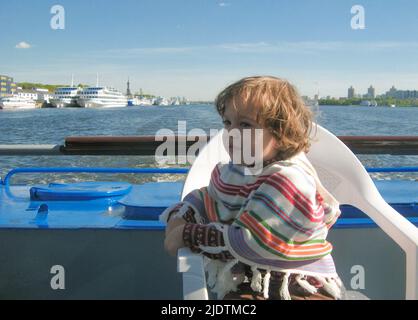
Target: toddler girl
{"type": "Point", "coordinates": [263, 236]}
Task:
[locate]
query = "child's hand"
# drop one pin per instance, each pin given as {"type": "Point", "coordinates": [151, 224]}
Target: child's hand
{"type": "Point", "coordinates": [174, 240]}
{"type": "Point", "coordinates": [173, 223]}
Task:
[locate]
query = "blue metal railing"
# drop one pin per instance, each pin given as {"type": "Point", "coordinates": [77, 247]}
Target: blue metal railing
{"type": "Point", "coordinates": [94, 170]}
{"type": "Point", "coordinates": [342, 223]}
{"type": "Point", "coordinates": [13, 172]}
{"type": "Point", "coordinates": [398, 169]}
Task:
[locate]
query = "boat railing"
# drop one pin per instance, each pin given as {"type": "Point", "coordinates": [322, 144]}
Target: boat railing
{"type": "Point", "coordinates": [147, 146]}
{"type": "Point", "coordinates": [173, 170]}
{"type": "Point", "coordinates": [15, 171]}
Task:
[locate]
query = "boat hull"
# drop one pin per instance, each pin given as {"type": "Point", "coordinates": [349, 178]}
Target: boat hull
{"type": "Point", "coordinates": [14, 106]}
{"type": "Point", "coordinates": [100, 104]}
{"type": "Point", "coordinates": [132, 264]}
{"type": "Point", "coordinates": [98, 264]}
{"type": "Point", "coordinates": [63, 103]}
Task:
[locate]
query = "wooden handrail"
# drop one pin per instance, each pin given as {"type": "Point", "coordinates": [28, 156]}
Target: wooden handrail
{"type": "Point", "coordinates": [125, 145]}
{"type": "Point", "coordinates": [147, 145]}
{"type": "Point", "coordinates": [394, 145]}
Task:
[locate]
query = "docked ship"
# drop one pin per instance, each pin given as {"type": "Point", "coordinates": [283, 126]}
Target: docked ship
{"type": "Point", "coordinates": [65, 97]}
{"type": "Point", "coordinates": [94, 97]}
{"type": "Point", "coordinates": [17, 102]}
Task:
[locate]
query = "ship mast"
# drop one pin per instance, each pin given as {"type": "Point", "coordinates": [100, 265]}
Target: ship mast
{"type": "Point", "coordinates": [128, 90]}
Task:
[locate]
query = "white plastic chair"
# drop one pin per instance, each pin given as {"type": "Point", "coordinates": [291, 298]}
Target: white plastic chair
{"type": "Point", "coordinates": [341, 173]}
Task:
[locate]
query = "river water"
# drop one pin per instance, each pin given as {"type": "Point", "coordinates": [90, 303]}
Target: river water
{"type": "Point", "coordinates": [51, 126]}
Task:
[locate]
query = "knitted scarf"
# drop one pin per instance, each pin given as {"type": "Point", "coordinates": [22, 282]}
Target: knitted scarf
{"type": "Point", "coordinates": [277, 220]}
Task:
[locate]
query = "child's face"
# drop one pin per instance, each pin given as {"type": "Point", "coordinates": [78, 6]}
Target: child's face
{"type": "Point", "coordinates": [244, 117]}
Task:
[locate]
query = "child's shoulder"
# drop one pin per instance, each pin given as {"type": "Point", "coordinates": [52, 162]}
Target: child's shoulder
{"type": "Point", "coordinates": [292, 168]}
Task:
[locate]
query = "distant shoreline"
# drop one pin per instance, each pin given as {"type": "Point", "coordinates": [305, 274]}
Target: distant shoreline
{"type": "Point", "coordinates": [357, 105]}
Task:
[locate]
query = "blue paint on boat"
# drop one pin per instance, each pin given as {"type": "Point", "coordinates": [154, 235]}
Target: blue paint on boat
{"type": "Point", "coordinates": [121, 205]}
{"type": "Point", "coordinates": [79, 191]}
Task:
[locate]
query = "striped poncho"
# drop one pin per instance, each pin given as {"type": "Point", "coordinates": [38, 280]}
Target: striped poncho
{"type": "Point", "coordinates": [277, 220]}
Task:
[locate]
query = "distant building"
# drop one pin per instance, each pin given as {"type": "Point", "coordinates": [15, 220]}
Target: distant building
{"type": "Point", "coordinates": [351, 93]}
{"type": "Point", "coordinates": [371, 92]}
{"type": "Point", "coordinates": [401, 94]}
{"type": "Point", "coordinates": [27, 94]}
{"type": "Point", "coordinates": [7, 86]}
{"type": "Point", "coordinates": [43, 94]}
{"type": "Point", "coordinates": [391, 93]}
{"type": "Point", "coordinates": [35, 94]}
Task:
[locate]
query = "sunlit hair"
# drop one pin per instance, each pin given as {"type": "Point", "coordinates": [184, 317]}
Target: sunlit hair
{"type": "Point", "coordinates": [280, 109]}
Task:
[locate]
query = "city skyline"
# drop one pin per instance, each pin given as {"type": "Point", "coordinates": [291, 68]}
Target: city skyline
{"type": "Point", "coordinates": [194, 49]}
{"type": "Point", "coordinates": [352, 91]}
{"type": "Point", "coordinates": [392, 92]}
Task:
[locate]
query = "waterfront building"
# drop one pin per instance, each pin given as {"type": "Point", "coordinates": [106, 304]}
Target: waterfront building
{"type": "Point", "coordinates": [391, 93]}
{"type": "Point", "coordinates": [401, 94]}
{"type": "Point", "coordinates": [7, 86]}
{"type": "Point", "coordinates": [371, 92]}
{"type": "Point", "coordinates": [44, 95]}
{"type": "Point", "coordinates": [351, 93]}
{"type": "Point", "coordinates": [27, 94]}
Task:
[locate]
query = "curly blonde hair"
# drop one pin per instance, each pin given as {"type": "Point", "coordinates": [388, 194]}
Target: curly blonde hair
{"type": "Point", "coordinates": [280, 109]}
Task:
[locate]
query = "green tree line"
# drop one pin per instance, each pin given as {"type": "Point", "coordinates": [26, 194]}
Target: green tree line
{"type": "Point", "coordinates": [49, 87]}
{"type": "Point", "coordinates": [380, 102]}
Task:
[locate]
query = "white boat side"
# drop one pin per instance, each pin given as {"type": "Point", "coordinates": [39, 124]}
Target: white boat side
{"type": "Point", "coordinates": [17, 102]}
{"type": "Point", "coordinates": [94, 97]}
{"type": "Point", "coordinates": [65, 96]}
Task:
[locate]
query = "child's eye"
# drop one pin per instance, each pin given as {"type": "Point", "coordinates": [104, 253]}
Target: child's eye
{"type": "Point", "coordinates": [227, 123]}
{"type": "Point", "coordinates": [246, 125]}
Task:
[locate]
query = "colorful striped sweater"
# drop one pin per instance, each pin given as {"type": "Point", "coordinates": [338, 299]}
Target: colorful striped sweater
{"type": "Point", "coordinates": [277, 221]}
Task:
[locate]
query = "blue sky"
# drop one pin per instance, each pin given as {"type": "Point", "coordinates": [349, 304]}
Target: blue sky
{"type": "Point", "coordinates": [194, 48]}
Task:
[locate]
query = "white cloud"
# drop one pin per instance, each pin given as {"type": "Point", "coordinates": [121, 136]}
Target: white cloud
{"type": "Point", "coordinates": [224, 4]}
{"type": "Point", "coordinates": [23, 45]}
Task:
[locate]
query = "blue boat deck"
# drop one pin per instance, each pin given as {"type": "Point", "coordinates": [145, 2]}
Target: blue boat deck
{"type": "Point", "coordinates": [108, 205]}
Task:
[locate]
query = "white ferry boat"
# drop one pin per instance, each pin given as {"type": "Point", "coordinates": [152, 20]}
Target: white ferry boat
{"type": "Point", "coordinates": [161, 101]}
{"type": "Point", "coordinates": [143, 101]}
{"type": "Point", "coordinates": [17, 102]}
{"type": "Point", "coordinates": [369, 103]}
{"type": "Point", "coordinates": [139, 102]}
{"type": "Point", "coordinates": [101, 97]}
{"type": "Point", "coordinates": [65, 97]}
